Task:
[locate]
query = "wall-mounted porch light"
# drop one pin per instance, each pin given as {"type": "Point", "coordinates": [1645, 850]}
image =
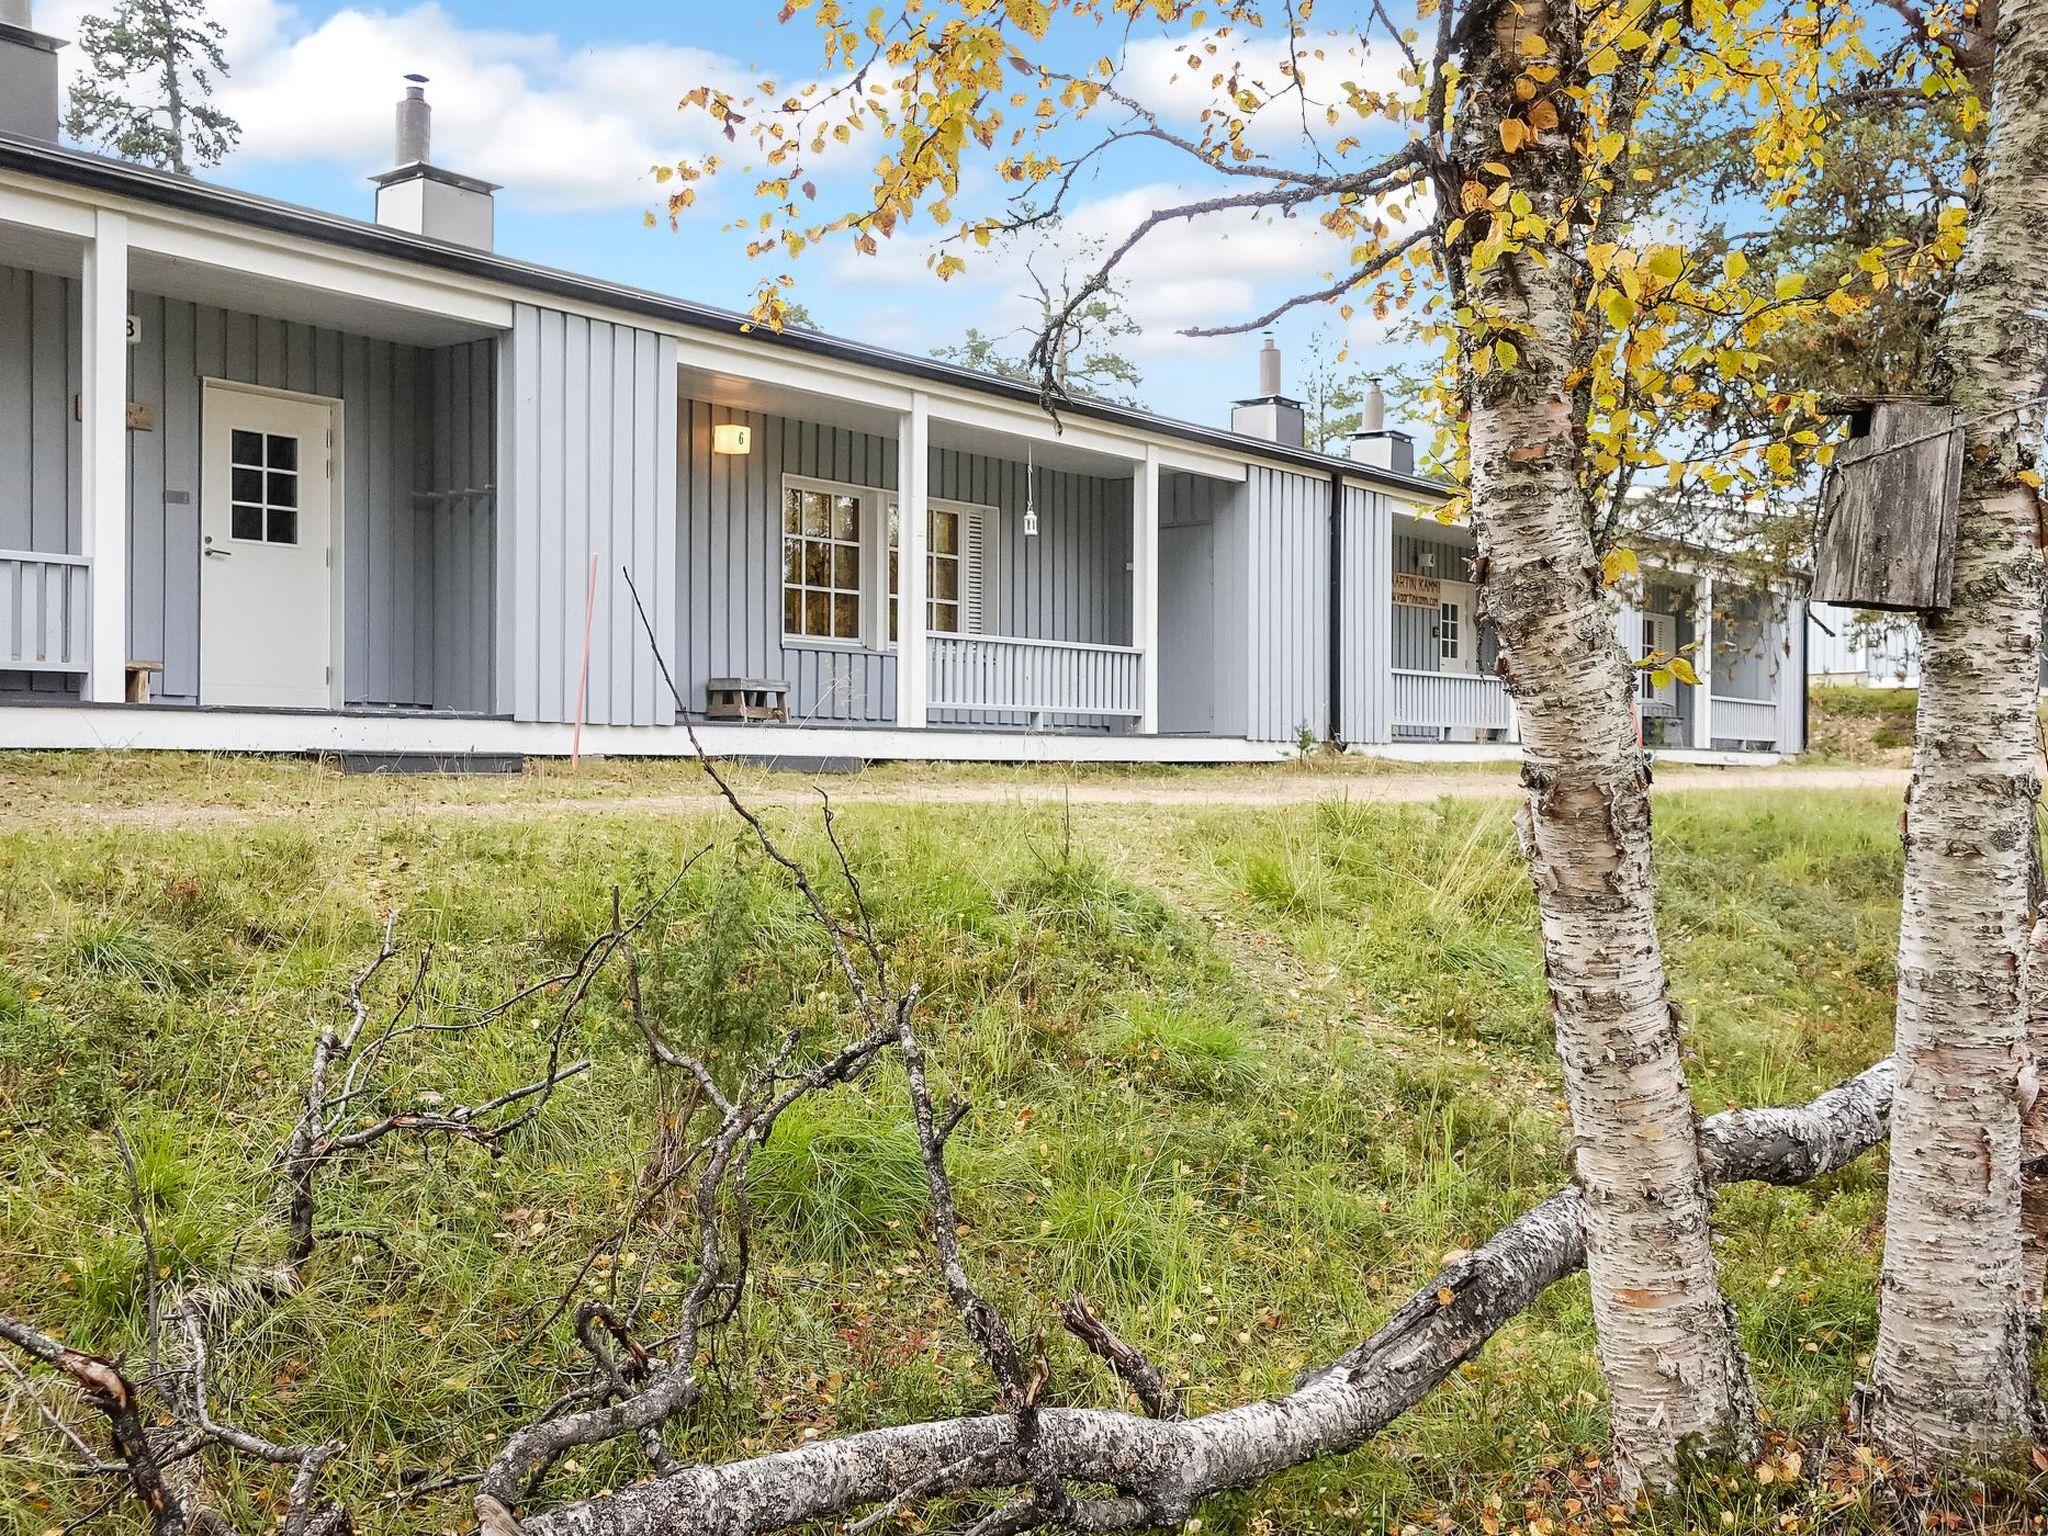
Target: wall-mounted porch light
{"type": "Point", "coordinates": [732, 437]}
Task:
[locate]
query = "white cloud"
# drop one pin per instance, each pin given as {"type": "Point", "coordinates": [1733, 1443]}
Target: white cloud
{"type": "Point", "coordinates": [560, 126]}
{"type": "Point", "coordinates": [1215, 269]}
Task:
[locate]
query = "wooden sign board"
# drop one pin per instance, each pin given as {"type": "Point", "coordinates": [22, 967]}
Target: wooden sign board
{"type": "Point", "coordinates": [1412, 591]}
{"type": "Point", "coordinates": [1888, 512]}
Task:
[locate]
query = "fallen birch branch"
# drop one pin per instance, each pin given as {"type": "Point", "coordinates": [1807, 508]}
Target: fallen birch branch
{"type": "Point", "coordinates": [1160, 1468]}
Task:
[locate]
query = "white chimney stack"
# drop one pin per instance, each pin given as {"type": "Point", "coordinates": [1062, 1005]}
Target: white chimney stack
{"type": "Point", "coordinates": [28, 76]}
{"type": "Point", "coordinates": [421, 198]}
{"type": "Point", "coordinates": [1270, 414]}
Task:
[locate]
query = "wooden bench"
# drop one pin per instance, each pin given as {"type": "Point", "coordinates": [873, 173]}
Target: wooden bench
{"type": "Point", "coordinates": [139, 674]}
{"type": "Point", "coordinates": [746, 698]}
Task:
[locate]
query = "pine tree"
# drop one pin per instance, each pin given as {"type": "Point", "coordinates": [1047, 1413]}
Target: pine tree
{"type": "Point", "coordinates": [144, 93]}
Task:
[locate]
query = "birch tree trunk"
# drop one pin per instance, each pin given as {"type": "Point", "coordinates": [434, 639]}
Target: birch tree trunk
{"type": "Point", "coordinates": [1950, 1377]}
{"type": "Point", "coordinates": [1668, 1347]}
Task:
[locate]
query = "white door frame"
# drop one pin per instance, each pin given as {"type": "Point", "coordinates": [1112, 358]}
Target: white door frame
{"type": "Point", "coordinates": [1464, 597]}
{"type": "Point", "coordinates": [337, 648]}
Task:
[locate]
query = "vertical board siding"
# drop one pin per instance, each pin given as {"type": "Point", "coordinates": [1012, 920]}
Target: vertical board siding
{"type": "Point", "coordinates": [1289, 611]}
{"type": "Point", "coordinates": [729, 563]}
{"type": "Point", "coordinates": [1791, 679]}
{"type": "Point", "coordinates": [39, 441]}
{"type": "Point", "coordinates": [1216, 608]}
{"type": "Point", "coordinates": [456, 499]}
{"type": "Point", "coordinates": [414, 565]}
{"type": "Point", "coordinates": [1745, 646]}
{"type": "Point", "coordinates": [589, 409]}
{"type": "Point", "coordinates": [1070, 582]}
{"type": "Point", "coordinates": [1367, 615]}
{"type": "Point", "coordinates": [1413, 644]}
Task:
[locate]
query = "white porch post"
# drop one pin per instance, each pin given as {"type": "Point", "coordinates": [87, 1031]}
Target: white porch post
{"type": "Point", "coordinates": [1703, 664]}
{"type": "Point", "coordinates": [913, 645]}
{"type": "Point", "coordinates": [103, 453]}
{"type": "Point", "coordinates": [1145, 585]}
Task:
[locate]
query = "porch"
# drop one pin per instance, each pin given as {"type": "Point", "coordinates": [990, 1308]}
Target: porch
{"type": "Point", "coordinates": [244, 489]}
{"type": "Point", "coordinates": [1034, 564]}
{"type": "Point", "coordinates": [1443, 683]}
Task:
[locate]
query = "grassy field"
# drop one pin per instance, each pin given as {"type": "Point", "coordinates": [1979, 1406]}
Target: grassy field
{"type": "Point", "coordinates": [1244, 1076]}
{"type": "Point", "coordinates": [1863, 725]}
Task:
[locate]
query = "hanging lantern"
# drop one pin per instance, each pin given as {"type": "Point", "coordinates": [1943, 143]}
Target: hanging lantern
{"type": "Point", "coordinates": [1030, 496]}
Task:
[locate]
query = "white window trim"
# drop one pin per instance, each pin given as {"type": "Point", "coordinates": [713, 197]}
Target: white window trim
{"type": "Point", "coordinates": [874, 501]}
{"type": "Point", "coordinates": [990, 564]}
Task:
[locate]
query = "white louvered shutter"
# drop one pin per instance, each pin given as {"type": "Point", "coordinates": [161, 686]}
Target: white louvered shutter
{"type": "Point", "coordinates": [977, 573]}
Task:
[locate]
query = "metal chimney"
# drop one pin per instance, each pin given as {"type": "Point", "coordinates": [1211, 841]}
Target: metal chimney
{"type": "Point", "coordinates": [1376, 443]}
{"type": "Point", "coordinates": [415, 123]}
{"type": "Point", "coordinates": [418, 196]}
{"type": "Point", "coordinates": [28, 75]}
{"type": "Point", "coordinates": [1373, 418]}
{"type": "Point", "coordinates": [1270, 414]}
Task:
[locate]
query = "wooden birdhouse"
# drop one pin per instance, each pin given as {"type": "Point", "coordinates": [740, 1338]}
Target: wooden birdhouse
{"type": "Point", "coordinates": [1888, 508]}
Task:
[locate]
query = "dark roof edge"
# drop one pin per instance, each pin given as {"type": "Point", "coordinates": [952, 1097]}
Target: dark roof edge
{"type": "Point", "coordinates": [98, 173]}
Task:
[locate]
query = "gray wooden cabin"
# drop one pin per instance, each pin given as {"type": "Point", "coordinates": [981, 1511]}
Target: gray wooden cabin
{"type": "Point", "coordinates": [310, 482]}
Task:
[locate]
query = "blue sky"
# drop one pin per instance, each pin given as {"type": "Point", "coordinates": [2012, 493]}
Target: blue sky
{"type": "Point", "coordinates": [568, 106]}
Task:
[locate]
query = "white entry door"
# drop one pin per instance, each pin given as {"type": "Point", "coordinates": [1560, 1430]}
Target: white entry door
{"type": "Point", "coordinates": [266, 525]}
{"type": "Point", "coordinates": [1457, 636]}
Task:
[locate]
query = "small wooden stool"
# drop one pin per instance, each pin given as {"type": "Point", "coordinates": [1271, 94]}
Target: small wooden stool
{"type": "Point", "coordinates": [138, 680]}
{"type": "Point", "coordinates": [746, 698]}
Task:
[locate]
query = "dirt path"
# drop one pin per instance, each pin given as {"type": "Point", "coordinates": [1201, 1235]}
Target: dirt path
{"type": "Point", "coordinates": [22, 807]}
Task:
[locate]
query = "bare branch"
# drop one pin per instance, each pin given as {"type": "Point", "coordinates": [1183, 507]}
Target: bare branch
{"type": "Point", "coordinates": [1145, 1379]}
{"type": "Point", "coordinates": [1160, 1469]}
{"type": "Point", "coordinates": [112, 1394]}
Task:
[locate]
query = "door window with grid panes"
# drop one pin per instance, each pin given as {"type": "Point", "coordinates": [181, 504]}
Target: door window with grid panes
{"type": "Point", "coordinates": [263, 487]}
{"type": "Point", "coordinates": [1450, 632]}
{"type": "Point", "coordinates": [943, 584]}
{"type": "Point", "coordinates": [821, 564]}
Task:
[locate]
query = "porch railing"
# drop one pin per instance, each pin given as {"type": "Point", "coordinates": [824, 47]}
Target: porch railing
{"type": "Point", "coordinates": [1451, 701]}
{"type": "Point", "coordinates": [1743, 719]}
{"type": "Point", "coordinates": [1006, 675]}
{"type": "Point", "coordinates": [43, 611]}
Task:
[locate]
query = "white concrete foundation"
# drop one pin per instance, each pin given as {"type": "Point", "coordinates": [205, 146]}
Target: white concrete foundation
{"type": "Point", "coordinates": [160, 728]}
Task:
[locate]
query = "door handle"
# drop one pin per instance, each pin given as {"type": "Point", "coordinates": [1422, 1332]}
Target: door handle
{"type": "Point", "coordinates": [220, 554]}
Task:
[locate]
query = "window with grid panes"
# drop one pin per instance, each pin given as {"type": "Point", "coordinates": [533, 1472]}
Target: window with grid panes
{"type": "Point", "coordinates": [821, 564]}
{"type": "Point", "coordinates": [942, 569]}
{"type": "Point", "coordinates": [263, 489]}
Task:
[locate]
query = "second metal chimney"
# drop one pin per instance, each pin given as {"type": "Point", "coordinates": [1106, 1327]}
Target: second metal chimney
{"type": "Point", "coordinates": [1270, 414]}
{"type": "Point", "coordinates": [1378, 444]}
{"type": "Point", "coordinates": [418, 196]}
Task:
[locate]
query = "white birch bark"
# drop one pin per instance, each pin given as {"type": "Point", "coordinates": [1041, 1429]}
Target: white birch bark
{"type": "Point", "coordinates": [1949, 1380]}
{"type": "Point", "coordinates": [1668, 1347]}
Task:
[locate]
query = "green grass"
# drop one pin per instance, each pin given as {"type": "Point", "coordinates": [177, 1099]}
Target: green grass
{"type": "Point", "coordinates": [1244, 1077]}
